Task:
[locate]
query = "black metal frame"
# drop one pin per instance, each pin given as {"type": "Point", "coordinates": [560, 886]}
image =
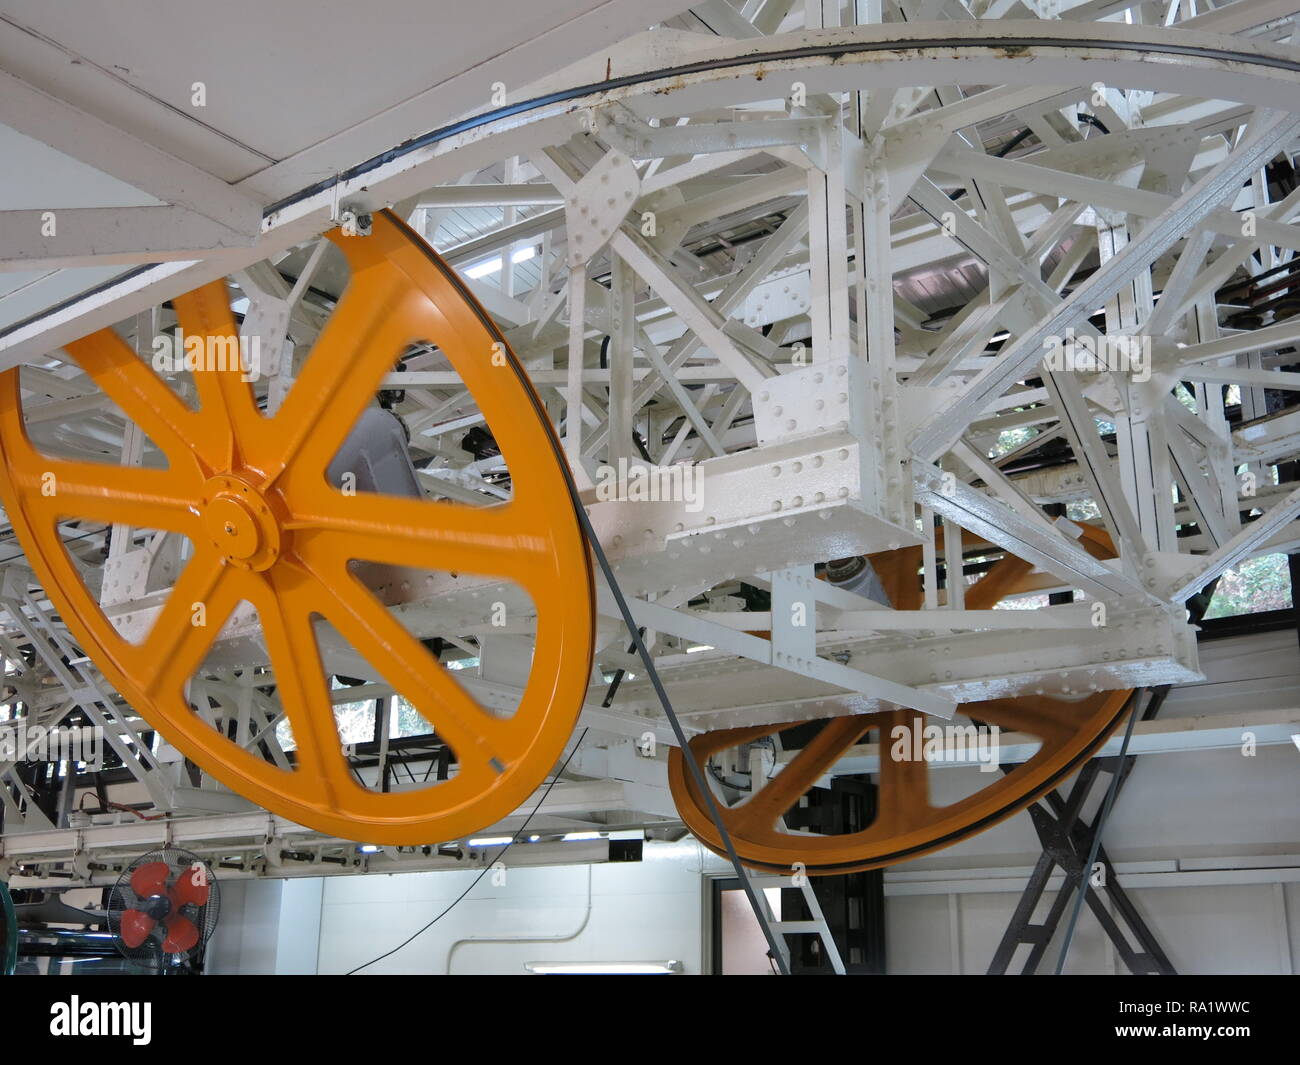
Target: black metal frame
{"type": "Point", "coordinates": [1067, 840]}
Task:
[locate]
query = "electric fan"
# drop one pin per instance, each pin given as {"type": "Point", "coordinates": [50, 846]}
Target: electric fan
{"type": "Point", "coordinates": [164, 908]}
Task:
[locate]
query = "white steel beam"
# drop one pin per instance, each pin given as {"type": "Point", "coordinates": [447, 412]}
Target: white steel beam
{"type": "Point", "coordinates": [937, 433]}
{"type": "Point", "coordinates": [109, 236]}
{"type": "Point", "coordinates": [699, 628]}
{"type": "Point", "coordinates": [74, 132]}
{"type": "Point", "coordinates": [998, 523]}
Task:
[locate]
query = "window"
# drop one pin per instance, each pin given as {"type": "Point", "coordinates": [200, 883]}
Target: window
{"type": "Point", "coordinates": [1257, 585]}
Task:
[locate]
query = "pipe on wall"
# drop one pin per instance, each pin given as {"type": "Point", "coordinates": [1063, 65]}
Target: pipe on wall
{"type": "Point", "coordinates": [563, 937]}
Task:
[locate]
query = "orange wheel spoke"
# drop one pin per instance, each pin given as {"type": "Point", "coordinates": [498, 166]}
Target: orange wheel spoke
{"type": "Point", "coordinates": [141, 394]}
{"type": "Point", "coordinates": [478, 738]}
{"type": "Point", "coordinates": [1000, 580]}
{"type": "Point", "coordinates": [801, 773]}
{"type": "Point", "coordinates": [904, 785]}
{"type": "Point", "coordinates": [1049, 719]}
{"type": "Point", "coordinates": [300, 681]}
{"type": "Point", "coordinates": [362, 341]}
{"type": "Point", "coordinates": [227, 407]}
{"type": "Point", "coordinates": [188, 623]}
{"type": "Point", "coordinates": [486, 541]}
{"type": "Point", "coordinates": [130, 495]}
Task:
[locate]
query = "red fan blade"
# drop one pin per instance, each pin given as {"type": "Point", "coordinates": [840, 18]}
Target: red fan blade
{"type": "Point", "coordinates": [135, 927]}
{"type": "Point", "coordinates": [190, 886]}
{"type": "Point", "coordinates": [182, 935]}
{"type": "Point", "coordinates": [150, 879]}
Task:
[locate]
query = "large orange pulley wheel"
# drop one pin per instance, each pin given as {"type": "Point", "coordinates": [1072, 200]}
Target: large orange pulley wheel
{"type": "Point", "coordinates": [906, 825]}
{"type": "Point", "coordinates": [266, 527]}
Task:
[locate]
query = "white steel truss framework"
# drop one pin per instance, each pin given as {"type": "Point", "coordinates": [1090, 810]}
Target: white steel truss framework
{"type": "Point", "coordinates": [933, 274]}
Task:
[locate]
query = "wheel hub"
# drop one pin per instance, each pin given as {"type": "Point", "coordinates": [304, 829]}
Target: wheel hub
{"type": "Point", "coordinates": [241, 522]}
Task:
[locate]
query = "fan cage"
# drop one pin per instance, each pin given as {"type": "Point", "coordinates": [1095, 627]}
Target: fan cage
{"type": "Point", "coordinates": [124, 897]}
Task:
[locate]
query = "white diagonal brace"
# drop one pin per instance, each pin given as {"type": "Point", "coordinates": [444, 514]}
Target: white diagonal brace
{"type": "Point", "coordinates": [698, 315]}
{"type": "Point", "coordinates": [999, 524]}
{"type": "Point", "coordinates": [1236, 549]}
{"type": "Point", "coordinates": [947, 424]}
{"type": "Point", "coordinates": [1017, 174]}
{"type": "Point", "coordinates": [1001, 486]}
{"type": "Point", "coordinates": [1080, 428]}
{"type": "Point", "coordinates": [1201, 500]}
{"type": "Point", "coordinates": [774, 249]}
{"type": "Point", "coordinates": [685, 400]}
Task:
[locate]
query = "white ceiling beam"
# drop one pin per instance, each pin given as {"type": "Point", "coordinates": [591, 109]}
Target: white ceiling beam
{"type": "Point", "coordinates": [96, 143]}
{"type": "Point", "coordinates": [106, 236]}
{"type": "Point", "coordinates": [1123, 53]}
{"type": "Point", "coordinates": [537, 194]}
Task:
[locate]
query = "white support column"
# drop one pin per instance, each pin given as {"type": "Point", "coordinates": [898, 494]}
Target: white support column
{"type": "Point", "coordinates": [1210, 406]}
{"type": "Point", "coordinates": [929, 561]}
{"type": "Point", "coordinates": [577, 355]}
{"type": "Point", "coordinates": [955, 582]}
{"type": "Point", "coordinates": [622, 339]}
{"type": "Point", "coordinates": [828, 248]}
{"type": "Point", "coordinates": [1141, 432]}
{"type": "Point", "coordinates": [883, 481]}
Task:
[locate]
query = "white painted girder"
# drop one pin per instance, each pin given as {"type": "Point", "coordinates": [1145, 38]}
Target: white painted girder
{"type": "Point", "coordinates": [938, 430]}
{"type": "Point", "coordinates": [763, 511]}
{"type": "Point", "coordinates": [892, 55]}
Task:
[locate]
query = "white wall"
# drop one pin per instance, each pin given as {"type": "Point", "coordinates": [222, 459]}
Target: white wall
{"type": "Point", "coordinates": [944, 914]}
{"type": "Point", "coordinates": [1207, 845]}
{"type": "Point", "coordinates": [636, 911]}
{"type": "Point", "coordinates": [267, 927]}
{"type": "Point", "coordinates": [1211, 929]}
{"type": "Point", "coordinates": [1185, 828]}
